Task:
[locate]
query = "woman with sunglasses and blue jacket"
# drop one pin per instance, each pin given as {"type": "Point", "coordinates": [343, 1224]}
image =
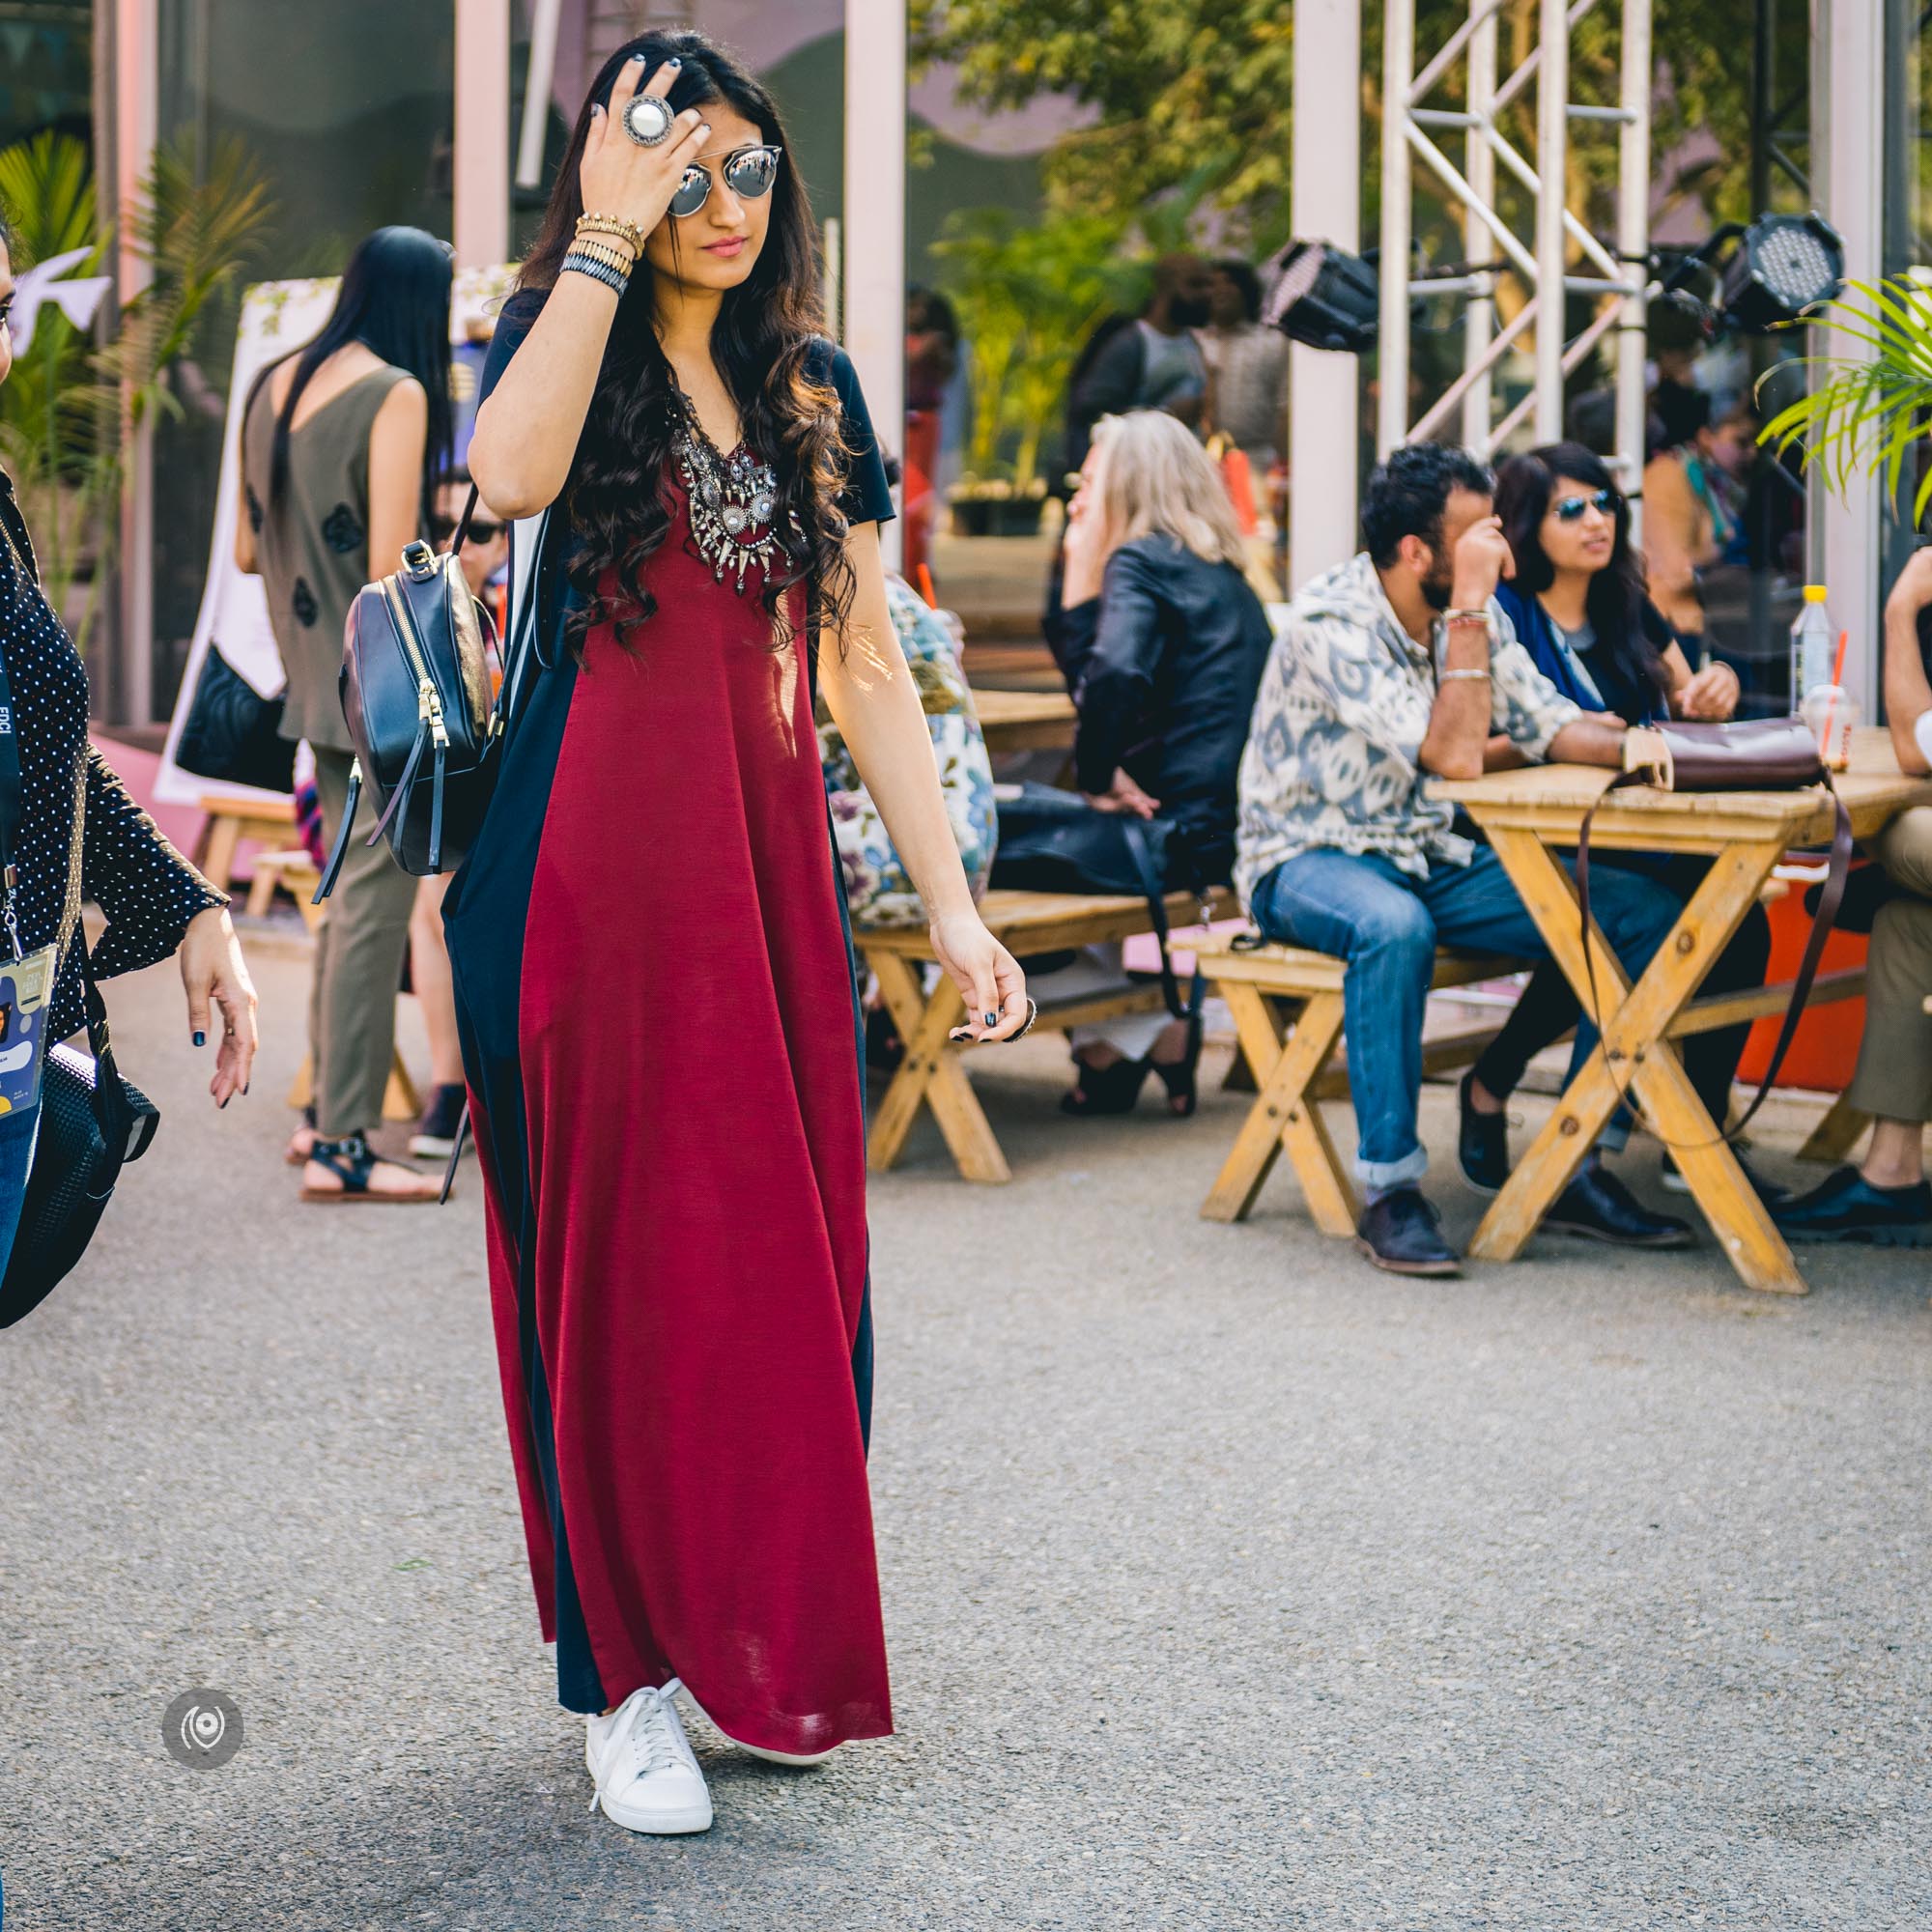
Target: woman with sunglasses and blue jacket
{"type": "Point", "coordinates": [653, 975]}
{"type": "Point", "coordinates": [1578, 604]}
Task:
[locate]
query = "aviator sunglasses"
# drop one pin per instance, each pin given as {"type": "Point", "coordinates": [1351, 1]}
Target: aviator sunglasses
{"type": "Point", "coordinates": [1569, 509]}
{"type": "Point", "coordinates": [749, 173]}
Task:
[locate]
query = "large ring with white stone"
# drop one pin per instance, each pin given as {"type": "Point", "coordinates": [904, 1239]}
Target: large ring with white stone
{"type": "Point", "coordinates": [647, 121]}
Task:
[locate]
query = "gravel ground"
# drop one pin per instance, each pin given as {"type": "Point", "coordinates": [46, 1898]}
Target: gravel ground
{"type": "Point", "coordinates": [1228, 1583]}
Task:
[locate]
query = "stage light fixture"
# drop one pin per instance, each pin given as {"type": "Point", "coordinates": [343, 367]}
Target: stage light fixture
{"type": "Point", "coordinates": [1327, 297]}
{"type": "Point", "coordinates": [1782, 266]}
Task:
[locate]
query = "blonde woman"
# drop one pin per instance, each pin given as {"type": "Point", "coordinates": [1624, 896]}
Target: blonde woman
{"type": "Point", "coordinates": [1162, 643]}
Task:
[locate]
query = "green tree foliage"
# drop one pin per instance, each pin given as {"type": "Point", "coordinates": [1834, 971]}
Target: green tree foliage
{"type": "Point", "coordinates": [1180, 89]}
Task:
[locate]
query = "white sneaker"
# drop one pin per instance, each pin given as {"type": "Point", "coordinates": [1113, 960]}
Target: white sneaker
{"type": "Point", "coordinates": [640, 1759]}
{"type": "Point", "coordinates": [796, 1758]}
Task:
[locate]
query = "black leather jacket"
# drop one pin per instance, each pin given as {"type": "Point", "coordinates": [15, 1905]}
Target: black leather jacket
{"type": "Point", "coordinates": [1163, 667]}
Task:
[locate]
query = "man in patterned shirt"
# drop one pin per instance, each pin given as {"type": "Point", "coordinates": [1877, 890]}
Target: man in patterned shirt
{"type": "Point", "coordinates": [1394, 667]}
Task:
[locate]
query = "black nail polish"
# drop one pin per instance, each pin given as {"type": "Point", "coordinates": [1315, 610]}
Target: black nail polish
{"type": "Point", "coordinates": [992, 1019]}
{"type": "Point", "coordinates": [200, 1038]}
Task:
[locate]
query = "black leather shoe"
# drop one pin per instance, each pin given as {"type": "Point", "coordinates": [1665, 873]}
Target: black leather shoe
{"type": "Point", "coordinates": [1845, 1206]}
{"type": "Point", "coordinates": [1482, 1143]}
{"type": "Point", "coordinates": [1398, 1233]}
{"type": "Point", "coordinates": [1598, 1206]}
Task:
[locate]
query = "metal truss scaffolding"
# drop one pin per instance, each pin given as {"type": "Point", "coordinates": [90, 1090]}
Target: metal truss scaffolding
{"type": "Point", "coordinates": [1561, 254]}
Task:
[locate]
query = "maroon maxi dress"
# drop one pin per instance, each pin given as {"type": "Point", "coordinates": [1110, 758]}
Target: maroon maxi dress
{"type": "Point", "coordinates": [655, 984]}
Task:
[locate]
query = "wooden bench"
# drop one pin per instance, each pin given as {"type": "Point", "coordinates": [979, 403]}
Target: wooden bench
{"type": "Point", "coordinates": [933, 1071]}
{"type": "Point", "coordinates": [230, 822]}
{"type": "Point", "coordinates": [297, 872]}
{"type": "Point", "coordinates": [1286, 1008]}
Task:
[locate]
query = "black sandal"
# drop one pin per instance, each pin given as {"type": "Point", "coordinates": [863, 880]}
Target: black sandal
{"type": "Point", "coordinates": [1114, 1089]}
{"type": "Point", "coordinates": [1179, 1076]}
{"type": "Point", "coordinates": [352, 1160]}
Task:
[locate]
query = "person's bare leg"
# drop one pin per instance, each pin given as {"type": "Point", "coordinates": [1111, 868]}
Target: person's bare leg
{"type": "Point", "coordinates": [435, 988]}
{"type": "Point", "coordinates": [1896, 1157]}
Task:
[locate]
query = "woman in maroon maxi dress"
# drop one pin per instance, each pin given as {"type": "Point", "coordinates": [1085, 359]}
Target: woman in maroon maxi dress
{"type": "Point", "coordinates": [653, 970]}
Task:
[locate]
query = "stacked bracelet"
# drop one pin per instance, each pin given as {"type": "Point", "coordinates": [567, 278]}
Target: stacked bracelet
{"type": "Point", "coordinates": [612, 258]}
{"type": "Point", "coordinates": [614, 279]}
{"type": "Point", "coordinates": [613, 225]}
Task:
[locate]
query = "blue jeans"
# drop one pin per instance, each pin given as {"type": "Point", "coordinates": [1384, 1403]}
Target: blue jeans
{"type": "Point", "coordinates": [17, 1133]}
{"type": "Point", "coordinates": [1388, 924]}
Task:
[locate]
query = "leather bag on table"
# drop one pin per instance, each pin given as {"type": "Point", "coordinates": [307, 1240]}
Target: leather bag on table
{"type": "Point", "coordinates": [1742, 755]}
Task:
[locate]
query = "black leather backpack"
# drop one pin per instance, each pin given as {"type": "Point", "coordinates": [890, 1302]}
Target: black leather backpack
{"type": "Point", "coordinates": [416, 697]}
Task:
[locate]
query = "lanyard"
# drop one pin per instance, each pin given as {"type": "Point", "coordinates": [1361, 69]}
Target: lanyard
{"type": "Point", "coordinates": [10, 810]}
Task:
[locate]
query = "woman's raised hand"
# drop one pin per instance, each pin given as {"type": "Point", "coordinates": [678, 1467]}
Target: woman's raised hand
{"type": "Point", "coordinates": [622, 176]}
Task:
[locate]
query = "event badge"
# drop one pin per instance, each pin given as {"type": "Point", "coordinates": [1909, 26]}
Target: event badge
{"type": "Point", "coordinates": [26, 990]}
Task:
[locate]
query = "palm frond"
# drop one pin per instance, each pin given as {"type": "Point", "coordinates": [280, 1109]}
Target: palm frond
{"type": "Point", "coordinates": [1865, 414]}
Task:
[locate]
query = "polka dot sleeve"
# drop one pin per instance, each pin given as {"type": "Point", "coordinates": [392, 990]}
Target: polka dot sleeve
{"type": "Point", "coordinates": [147, 890]}
{"type": "Point", "coordinates": [79, 830]}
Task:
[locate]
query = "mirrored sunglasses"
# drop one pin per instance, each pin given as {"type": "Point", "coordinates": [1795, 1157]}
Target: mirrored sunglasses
{"type": "Point", "coordinates": [749, 173]}
{"type": "Point", "coordinates": [1568, 508]}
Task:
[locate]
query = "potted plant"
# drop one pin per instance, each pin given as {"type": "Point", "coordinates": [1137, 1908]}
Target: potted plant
{"type": "Point", "coordinates": [67, 413]}
{"type": "Point", "coordinates": [1027, 295]}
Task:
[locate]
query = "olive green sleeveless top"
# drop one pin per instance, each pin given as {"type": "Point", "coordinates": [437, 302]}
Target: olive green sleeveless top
{"type": "Point", "coordinates": [313, 550]}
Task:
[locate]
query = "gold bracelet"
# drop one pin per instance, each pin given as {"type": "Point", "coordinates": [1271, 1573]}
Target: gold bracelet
{"type": "Point", "coordinates": [612, 224]}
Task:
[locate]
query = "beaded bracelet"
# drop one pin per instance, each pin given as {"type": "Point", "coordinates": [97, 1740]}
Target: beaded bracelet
{"type": "Point", "coordinates": [612, 258]}
{"type": "Point", "coordinates": [614, 279]}
{"type": "Point", "coordinates": [612, 224]}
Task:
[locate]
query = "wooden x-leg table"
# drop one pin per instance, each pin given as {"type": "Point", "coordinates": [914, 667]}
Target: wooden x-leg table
{"type": "Point", "coordinates": [1527, 817]}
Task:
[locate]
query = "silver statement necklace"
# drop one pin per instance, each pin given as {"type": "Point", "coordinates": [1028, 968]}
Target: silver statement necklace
{"type": "Point", "coordinates": [733, 499]}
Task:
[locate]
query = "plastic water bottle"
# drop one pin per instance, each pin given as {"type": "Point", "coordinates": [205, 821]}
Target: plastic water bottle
{"type": "Point", "coordinates": [1813, 646]}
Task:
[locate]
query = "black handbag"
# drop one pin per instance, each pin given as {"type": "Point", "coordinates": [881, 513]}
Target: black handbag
{"type": "Point", "coordinates": [90, 1119]}
{"type": "Point", "coordinates": [416, 697]}
{"type": "Point", "coordinates": [92, 1123]}
{"type": "Point", "coordinates": [1054, 842]}
{"type": "Point", "coordinates": [233, 733]}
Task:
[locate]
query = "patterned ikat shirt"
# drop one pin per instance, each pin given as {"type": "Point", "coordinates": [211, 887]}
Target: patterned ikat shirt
{"type": "Point", "coordinates": [1333, 760]}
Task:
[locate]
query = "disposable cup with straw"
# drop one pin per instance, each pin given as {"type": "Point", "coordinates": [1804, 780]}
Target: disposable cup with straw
{"type": "Point", "coordinates": [1827, 704]}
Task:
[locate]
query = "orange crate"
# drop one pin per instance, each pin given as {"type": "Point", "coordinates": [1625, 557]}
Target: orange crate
{"type": "Point", "coordinates": [1825, 1048]}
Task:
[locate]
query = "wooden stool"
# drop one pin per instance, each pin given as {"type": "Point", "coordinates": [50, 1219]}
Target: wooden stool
{"type": "Point", "coordinates": [229, 822]}
{"type": "Point", "coordinates": [1287, 1008]}
{"type": "Point", "coordinates": [933, 1071]}
{"type": "Point", "coordinates": [297, 872]}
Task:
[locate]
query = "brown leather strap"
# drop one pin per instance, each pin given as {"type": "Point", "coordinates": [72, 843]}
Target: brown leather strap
{"type": "Point", "coordinates": [1822, 922]}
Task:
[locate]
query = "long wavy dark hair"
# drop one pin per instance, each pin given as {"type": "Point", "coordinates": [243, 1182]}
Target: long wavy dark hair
{"type": "Point", "coordinates": [394, 299]}
{"type": "Point", "coordinates": [1615, 599]}
{"type": "Point", "coordinates": [618, 493]}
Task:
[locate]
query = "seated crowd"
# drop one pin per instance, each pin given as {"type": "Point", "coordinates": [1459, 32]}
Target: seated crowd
{"type": "Point", "coordinates": [1484, 624]}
